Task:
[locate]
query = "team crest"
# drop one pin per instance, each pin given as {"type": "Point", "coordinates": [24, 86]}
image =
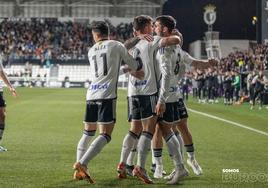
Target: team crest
{"type": "Point", "coordinates": [210, 14]}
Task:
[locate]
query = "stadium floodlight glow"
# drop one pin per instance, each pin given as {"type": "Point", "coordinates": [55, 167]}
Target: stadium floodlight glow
{"type": "Point", "coordinates": [254, 20]}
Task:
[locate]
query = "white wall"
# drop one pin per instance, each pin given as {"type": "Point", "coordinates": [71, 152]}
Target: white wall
{"type": "Point", "coordinates": [227, 46]}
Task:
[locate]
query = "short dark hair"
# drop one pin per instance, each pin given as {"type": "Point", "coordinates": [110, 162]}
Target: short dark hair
{"type": "Point", "coordinates": [141, 21]}
{"type": "Point", "coordinates": [100, 27]}
{"type": "Point", "coordinates": [167, 21]}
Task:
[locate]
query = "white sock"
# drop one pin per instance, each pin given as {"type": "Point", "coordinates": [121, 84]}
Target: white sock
{"type": "Point", "coordinates": [83, 143]}
{"type": "Point", "coordinates": [157, 155]}
{"type": "Point", "coordinates": [128, 143]}
{"type": "Point", "coordinates": [95, 148]}
{"type": "Point", "coordinates": [143, 147]}
{"type": "Point", "coordinates": [130, 159]}
{"type": "Point", "coordinates": [174, 150]}
{"type": "Point", "coordinates": [152, 150]}
{"type": "Point", "coordinates": [178, 135]}
{"type": "Point", "coordinates": [132, 154]}
{"type": "Point", "coordinates": [190, 151]}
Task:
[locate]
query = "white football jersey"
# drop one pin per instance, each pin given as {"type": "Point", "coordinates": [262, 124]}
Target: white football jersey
{"type": "Point", "coordinates": [1, 69]}
{"type": "Point", "coordinates": [148, 85]}
{"type": "Point", "coordinates": [163, 72]}
{"type": "Point", "coordinates": [105, 58]}
{"type": "Point", "coordinates": [179, 59]}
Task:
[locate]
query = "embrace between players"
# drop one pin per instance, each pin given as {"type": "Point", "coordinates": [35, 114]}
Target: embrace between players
{"type": "Point", "coordinates": [155, 107]}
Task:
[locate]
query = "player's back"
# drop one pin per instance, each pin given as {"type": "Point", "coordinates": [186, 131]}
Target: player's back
{"type": "Point", "coordinates": [148, 85]}
{"type": "Point", "coordinates": [105, 58]}
{"type": "Point", "coordinates": [175, 57]}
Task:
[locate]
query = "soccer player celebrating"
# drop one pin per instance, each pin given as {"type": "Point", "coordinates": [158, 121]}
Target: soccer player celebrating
{"type": "Point", "coordinates": [143, 101]}
{"type": "Point", "coordinates": [164, 26]}
{"type": "Point", "coordinates": [176, 112]}
{"type": "Point", "coordinates": [2, 101]}
{"type": "Point", "coordinates": [105, 58]}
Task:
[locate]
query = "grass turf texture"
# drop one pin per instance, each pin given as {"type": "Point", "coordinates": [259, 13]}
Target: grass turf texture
{"type": "Point", "coordinates": [44, 126]}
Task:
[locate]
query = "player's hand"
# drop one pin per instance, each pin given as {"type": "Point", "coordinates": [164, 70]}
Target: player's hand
{"type": "Point", "coordinates": [13, 91]}
{"type": "Point", "coordinates": [177, 33]}
{"type": "Point", "coordinates": [147, 37]}
{"type": "Point", "coordinates": [125, 68]}
{"type": "Point", "coordinates": [160, 108]}
{"type": "Point", "coordinates": [213, 62]}
{"type": "Point", "coordinates": [138, 74]}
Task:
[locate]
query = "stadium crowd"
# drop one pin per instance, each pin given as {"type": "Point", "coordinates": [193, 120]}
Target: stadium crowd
{"type": "Point", "coordinates": [50, 38]}
{"type": "Point", "coordinates": [239, 76]}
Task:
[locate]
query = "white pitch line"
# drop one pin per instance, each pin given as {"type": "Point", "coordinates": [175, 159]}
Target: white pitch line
{"type": "Point", "coordinates": [230, 122]}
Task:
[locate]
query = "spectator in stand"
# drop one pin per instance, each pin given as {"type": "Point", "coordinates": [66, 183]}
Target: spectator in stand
{"type": "Point", "coordinates": [194, 84]}
{"type": "Point", "coordinates": [236, 85]}
{"type": "Point", "coordinates": [199, 77]}
{"type": "Point", "coordinates": [185, 84]}
{"type": "Point", "coordinates": [259, 89]}
{"type": "Point", "coordinates": [227, 85]}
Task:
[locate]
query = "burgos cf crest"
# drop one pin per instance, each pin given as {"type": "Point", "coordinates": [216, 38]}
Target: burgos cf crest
{"type": "Point", "coordinates": [210, 14]}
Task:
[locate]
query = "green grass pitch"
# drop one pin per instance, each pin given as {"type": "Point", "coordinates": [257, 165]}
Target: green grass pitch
{"type": "Point", "coordinates": [44, 126]}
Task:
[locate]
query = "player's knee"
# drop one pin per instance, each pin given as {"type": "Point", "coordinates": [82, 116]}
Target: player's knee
{"type": "Point", "coordinates": [107, 137]}
{"type": "Point", "coordinates": [136, 130]}
{"type": "Point", "coordinates": [89, 132]}
{"type": "Point", "coordinates": [90, 127]}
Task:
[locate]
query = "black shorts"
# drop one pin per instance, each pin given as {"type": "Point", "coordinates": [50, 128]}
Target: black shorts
{"type": "Point", "coordinates": [101, 111]}
{"type": "Point", "coordinates": [172, 114]}
{"type": "Point", "coordinates": [182, 109]}
{"type": "Point", "coordinates": [2, 100]}
{"type": "Point", "coordinates": [141, 107]}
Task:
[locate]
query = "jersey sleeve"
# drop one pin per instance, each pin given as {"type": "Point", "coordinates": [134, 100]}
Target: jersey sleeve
{"type": "Point", "coordinates": [89, 56]}
{"type": "Point", "coordinates": [128, 59]}
{"type": "Point", "coordinates": [186, 58]}
{"type": "Point", "coordinates": [156, 43]}
{"type": "Point", "coordinates": [165, 68]}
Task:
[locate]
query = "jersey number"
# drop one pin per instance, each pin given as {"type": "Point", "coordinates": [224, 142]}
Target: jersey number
{"type": "Point", "coordinates": [136, 55]}
{"type": "Point", "coordinates": [177, 67]}
{"type": "Point", "coordinates": [104, 60]}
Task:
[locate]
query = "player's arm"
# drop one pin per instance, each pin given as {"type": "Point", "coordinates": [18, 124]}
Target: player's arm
{"type": "Point", "coordinates": [176, 32]}
{"type": "Point", "coordinates": [165, 69]}
{"type": "Point", "coordinates": [5, 79]}
{"type": "Point", "coordinates": [169, 41]}
{"type": "Point", "coordinates": [204, 64]}
{"type": "Point", "coordinates": [133, 64]}
{"type": "Point", "coordinates": [125, 68]}
{"type": "Point", "coordinates": [164, 66]}
{"type": "Point", "coordinates": [7, 82]}
{"type": "Point", "coordinates": [198, 63]}
{"type": "Point", "coordinates": [130, 43]}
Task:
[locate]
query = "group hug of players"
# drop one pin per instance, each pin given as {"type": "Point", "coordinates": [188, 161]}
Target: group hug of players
{"type": "Point", "coordinates": [155, 107]}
